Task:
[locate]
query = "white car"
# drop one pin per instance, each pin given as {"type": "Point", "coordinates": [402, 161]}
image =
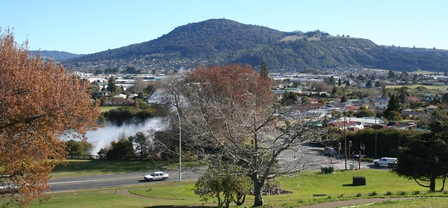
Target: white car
{"type": "Point", "coordinates": [6, 188]}
{"type": "Point", "coordinates": [385, 161]}
{"type": "Point", "coordinates": [156, 176]}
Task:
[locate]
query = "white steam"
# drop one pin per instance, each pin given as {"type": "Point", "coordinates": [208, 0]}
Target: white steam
{"type": "Point", "coordinates": [102, 137]}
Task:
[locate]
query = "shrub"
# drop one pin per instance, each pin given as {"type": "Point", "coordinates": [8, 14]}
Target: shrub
{"type": "Point", "coordinates": [401, 193]}
{"type": "Point", "coordinates": [327, 170]}
{"type": "Point", "coordinates": [416, 192]}
{"type": "Point", "coordinates": [373, 193]}
{"type": "Point", "coordinates": [358, 195]}
{"type": "Point", "coordinates": [388, 193]}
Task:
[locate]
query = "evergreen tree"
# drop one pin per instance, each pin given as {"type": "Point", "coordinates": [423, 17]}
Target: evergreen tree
{"type": "Point", "coordinates": [111, 86]}
{"type": "Point", "coordinates": [331, 80]}
{"type": "Point", "coordinates": [339, 82]}
{"type": "Point", "coordinates": [391, 74]}
{"type": "Point", "coordinates": [369, 84]}
{"type": "Point", "coordinates": [334, 91]}
{"type": "Point", "coordinates": [344, 98]}
{"type": "Point", "coordinates": [393, 105]}
{"type": "Point", "coordinates": [377, 84]}
{"type": "Point", "coordinates": [264, 70]}
{"type": "Point", "coordinates": [403, 94]}
{"type": "Point", "coordinates": [424, 158]}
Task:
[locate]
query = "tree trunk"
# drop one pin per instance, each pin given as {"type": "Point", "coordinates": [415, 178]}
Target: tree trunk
{"type": "Point", "coordinates": [258, 202]}
{"type": "Point", "coordinates": [432, 184]}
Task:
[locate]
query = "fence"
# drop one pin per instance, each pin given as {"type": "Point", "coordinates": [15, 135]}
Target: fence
{"type": "Point", "coordinates": [82, 157]}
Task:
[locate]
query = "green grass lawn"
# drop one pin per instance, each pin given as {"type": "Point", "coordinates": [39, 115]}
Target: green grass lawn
{"type": "Point", "coordinates": [336, 186]}
{"type": "Point", "coordinates": [107, 108]}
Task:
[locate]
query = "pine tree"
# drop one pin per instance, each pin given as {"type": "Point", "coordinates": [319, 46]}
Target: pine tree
{"type": "Point", "coordinates": [264, 70]}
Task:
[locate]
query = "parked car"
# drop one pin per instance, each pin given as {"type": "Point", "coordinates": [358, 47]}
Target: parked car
{"type": "Point", "coordinates": [385, 161]}
{"type": "Point", "coordinates": [156, 176]}
{"type": "Point", "coordinates": [7, 188]}
{"type": "Point", "coordinates": [330, 151]}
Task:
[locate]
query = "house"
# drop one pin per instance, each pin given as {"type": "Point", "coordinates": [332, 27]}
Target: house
{"type": "Point", "coordinates": [402, 125]}
{"type": "Point", "coordinates": [381, 103]}
{"type": "Point", "coordinates": [353, 108]}
{"type": "Point", "coordinates": [348, 124]}
{"type": "Point", "coordinates": [408, 113]}
{"type": "Point", "coordinates": [121, 101]}
{"type": "Point", "coordinates": [99, 94]}
{"type": "Point", "coordinates": [412, 99]}
{"type": "Point", "coordinates": [431, 108]}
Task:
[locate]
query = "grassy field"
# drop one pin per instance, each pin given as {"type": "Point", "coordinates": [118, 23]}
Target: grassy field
{"type": "Point", "coordinates": [414, 86]}
{"type": "Point", "coordinates": [332, 187]}
{"type": "Point", "coordinates": [107, 108]}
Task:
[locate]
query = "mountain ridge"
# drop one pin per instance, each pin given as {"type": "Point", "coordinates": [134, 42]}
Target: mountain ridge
{"type": "Point", "coordinates": [220, 41]}
{"type": "Point", "coordinates": [56, 55]}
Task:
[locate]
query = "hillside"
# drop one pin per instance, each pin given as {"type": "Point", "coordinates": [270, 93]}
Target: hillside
{"type": "Point", "coordinates": [220, 41]}
{"type": "Point", "coordinates": [56, 55]}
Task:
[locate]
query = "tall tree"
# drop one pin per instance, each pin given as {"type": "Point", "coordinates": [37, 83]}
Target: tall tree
{"type": "Point", "coordinates": [334, 91]}
{"type": "Point", "coordinates": [392, 106]}
{"type": "Point", "coordinates": [289, 98]}
{"type": "Point", "coordinates": [425, 157]}
{"type": "Point", "coordinates": [38, 103]}
{"type": "Point", "coordinates": [111, 85]}
{"type": "Point", "coordinates": [142, 144]}
{"type": "Point", "coordinates": [369, 84]}
{"type": "Point", "coordinates": [264, 70]}
{"type": "Point", "coordinates": [230, 111]}
{"type": "Point", "coordinates": [403, 94]}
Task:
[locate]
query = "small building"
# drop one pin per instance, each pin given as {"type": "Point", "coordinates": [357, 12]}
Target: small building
{"type": "Point", "coordinates": [99, 94]}
{"type": "Point", "coordinates": [381, 103]}
{"type": "Point", "coordinates": [347, 124]}
{"type": "Point", "coordinates": [122, 101]}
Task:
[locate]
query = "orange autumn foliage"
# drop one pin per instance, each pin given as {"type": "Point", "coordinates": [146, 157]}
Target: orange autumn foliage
{"type": "Point", "coordinates": [39, 101]}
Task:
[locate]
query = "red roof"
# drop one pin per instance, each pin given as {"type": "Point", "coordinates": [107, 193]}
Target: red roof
{"type": "Point", "coordinates": [352, 107]}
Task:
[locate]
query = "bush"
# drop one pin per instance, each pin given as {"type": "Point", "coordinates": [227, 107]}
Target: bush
{"type": "Point", "coordinates": [327, 170]}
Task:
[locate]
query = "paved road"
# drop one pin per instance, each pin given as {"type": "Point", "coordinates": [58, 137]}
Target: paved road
{"type": "Point", "coordinates": [311, 158]}
{"type": "Point", "coordinates": [113, 180]}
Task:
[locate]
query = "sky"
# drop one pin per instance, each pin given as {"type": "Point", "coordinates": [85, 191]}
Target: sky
{"type": "Point", "coordinates": [90, 26]}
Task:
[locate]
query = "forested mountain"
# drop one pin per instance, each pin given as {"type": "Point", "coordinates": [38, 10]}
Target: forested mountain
{"type": "Point", "coordinates": [219, 41]}
{"type": "Point", "coordinates": [56, 55]}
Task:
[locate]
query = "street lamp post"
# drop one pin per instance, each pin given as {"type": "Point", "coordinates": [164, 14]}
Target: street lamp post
{"type": "Point", "coordinates": [375, 136]}
{"type": "Point", "coordinates": [180, 146]}
{"type": "Point", "coordinates": [345, 143]}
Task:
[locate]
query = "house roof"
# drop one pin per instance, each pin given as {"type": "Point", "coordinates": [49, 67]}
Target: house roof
{"type": "Point", "coordinates": [381, 99]}
{"type": "Point", "coordinates": [352, 107]}
{"type": "Point", "coordinates": [412, 99]}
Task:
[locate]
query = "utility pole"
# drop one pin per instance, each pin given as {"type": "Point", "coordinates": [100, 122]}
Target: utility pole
{"type": "Point", "coordinates": [375, 136]}
{"type": "Point", "coordinates": [345, 143]}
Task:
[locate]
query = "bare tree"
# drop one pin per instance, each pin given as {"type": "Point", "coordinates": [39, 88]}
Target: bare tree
{"type": "Point", "coordinates": [230, 111]}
